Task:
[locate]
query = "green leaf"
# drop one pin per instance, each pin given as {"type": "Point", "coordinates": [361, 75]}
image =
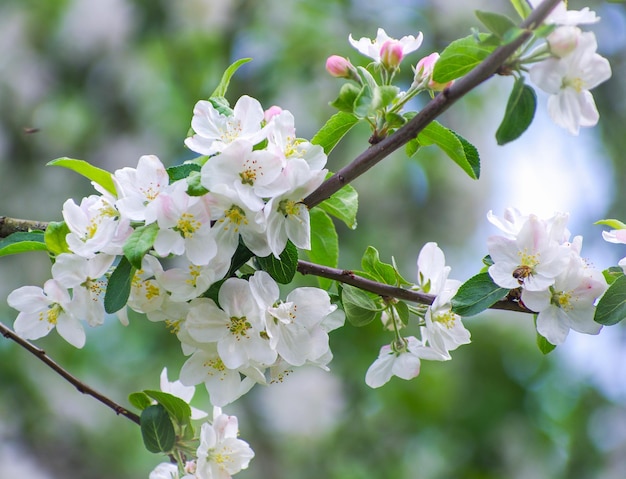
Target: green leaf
{"type": "Point", "coordinates": [379, 271]}
{"type": "Point", "coordinates": [139, 243]}
{"type": "Point", "coordinates": [93, 173]}
{"type": "Point", "coordinates": [242, 256]}
{"type": "Point", "coordinates": [324, 243]}
{"type": "Point", "coordinates": [177, 408]}
{"type": "Point", "coordinates": [519, 113]}
{"type": "Point", "coordinates": [495, 23]}
{"type": "Point", "coordinates": [54, 236]}
{"type": "Point", "coordinates": [118, 289]}
{"type": "Point", "coordinates": [460, 57]}
{"type": "Point", "coordinates": [615, 224]}
{"type": "Point", "coordinates": [194, 184]}
{"type": "Point", "coordinates": [456, 147]}
{"type": "Point", "coordinates": [611, 308]}
{"type": "Point", "coordinates": [179, 172]}
{"type": "Point", "coordinates": [612, 273]}
{"type": "Point", "coordinates": [23, 242]}
{"type": "Point", "coordinates": [477, 294]}
{"type": "Point", "coordinates": [343, 205]}
{"type": "Point", "coordinates": [157, 429]}
{"type": "Point", "coordinates": [412, 147]}
{"type": "Point", "coordinates": [402, 309]}
{"type": "Point", "coordinates": [221, 89]}
{"type": "Point", "coordinates": [521, 7]}
{"type": "Point", "coordinates": [284, 269]}
{"type": "Point", "coordinates": [334, 130]}
{"type": "Point", "coordinates": [360, 306]}
{"type": "Point", "coordinates": [140, 400]}
{"type": "Point", "coordinates": [544, 345]}
{"type": "Point", "coordinates": [348, 94]}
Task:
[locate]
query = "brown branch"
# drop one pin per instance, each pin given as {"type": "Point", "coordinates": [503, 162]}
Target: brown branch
{"type": "Point", "coordinates": [14, 225]}
{"type": "Point", "coordinates": [348, 277]}
{"type": "Point", "coordinates": [77, 383]}
{"type": "Point", "coordinates": [432, 110]}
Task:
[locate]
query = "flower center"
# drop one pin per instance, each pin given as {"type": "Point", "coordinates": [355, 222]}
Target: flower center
{"type": "Point", "coordinates": [239, 327]}
{"type": "Point", "coordinates": [289, 207]}
{"type": "Point", "coordinates": [187, 225]}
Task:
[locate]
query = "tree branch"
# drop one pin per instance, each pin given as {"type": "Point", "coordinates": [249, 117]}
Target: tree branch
{"type": "Point", "coordinates": [14, 225]}
{"type": "Point", "coordinates": [432, 110]}
{"type": "Point", "coordinates": [77, 383]}
{"type": "Point", "coordinates": [348, 277]}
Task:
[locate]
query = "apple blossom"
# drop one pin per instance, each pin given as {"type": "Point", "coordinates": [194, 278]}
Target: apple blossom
{"type": "Point", "coordinates": [340, 67]}
{"type": "Point", "coordinates": [560, 15]}
{"type": "Point", "coordinates": [373, 48]}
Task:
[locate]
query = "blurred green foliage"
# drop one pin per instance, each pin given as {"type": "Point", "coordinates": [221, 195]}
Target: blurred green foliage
{"type": "Point", "coordinates": [111, 80]}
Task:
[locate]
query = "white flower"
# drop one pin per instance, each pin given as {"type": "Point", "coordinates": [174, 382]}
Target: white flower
{"type": "Point", "coordinates": [178, 389]}
{"type": "Point", "coordinates": [531, 260]}
{"type": "Point", "coordinates": [221, 454]}
{"type": "Point", "coordinates": [137, 188]}
{"type": "Point", "coordinates": [569, 304]}
{"type": "Point", "coordinates": [444, 330]}
{"type": "Point", "coordinates": [399, 360]}
{"type": "Point", "coordinates": [86, 279]}
{"type": "Point", "coordinates": [560, 15]}
{"type": "Point", "coordinates": [41, 310]}
{"type": "Point", "coordinates": [215, 130]}
{"type": "Point", "coordinates": [372, 48]}
{"type": "Point", "coordinates": [165, 470]}
{"type": "Point", "coordinates": [568, 81]}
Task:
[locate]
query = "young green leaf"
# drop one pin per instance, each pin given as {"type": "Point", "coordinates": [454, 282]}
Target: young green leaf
{"type": "Point", "coordinates": [612, 273]}
{"type": "Point", "coordinates": [343, 205]}
{"type": "Point", "coordinates": [334, 130]}
{"type": "Point", "coordinates": [379, 271]}
{"type": "Point", "coordinates": [54, 236]}
{"type": "Point", "coordinates": [118, 289]}
{"type": "Point", "coordinates": [177, 408]}
{"type": "Point", "coordinates": [359, 306]}
{"type": "Point", "coordinates": [284, 269]}
{"type": "Point", "coordinates": [139, 243]}
{"type": "Point", "coordinates": [544, 345]}
{"type": "Point", "coordinates": [140, 400]}
{"type": "Point", "coordinates": [521, 7]}
{"type": "Point", "coordinates": [179, 172]}
{"type": "Point", "coordinates": [477, 294]}
{"type": "Point", "coordinates": [402, 310]}
{"type": "Point", "coordinates": [324, 242]}
{"type": "Point", "coordinates": [519, 112]}
{"type": "Point", "coordinates": [461, 56]}
{"type": "Point", "coordinates": [194, 184]}
{"type": "Point", "coordinates": [23, 242]}
{"type": "Point", "coordinates": [348, 94]}
{"type": "Point", "coordinates": [611, 308]}
{"type": "Point", "coordinates": [221, 89]}
{"type": "Point", "coordinates": [93, 173]}
{"type": "Point", "coordinates": [615, 224]}
{"type": "Point", "coordinates": [495, 23]}
{"type": "Point", "coordinates": [456, 147]}
{"type": "Point", "coordinates": [157, 429]}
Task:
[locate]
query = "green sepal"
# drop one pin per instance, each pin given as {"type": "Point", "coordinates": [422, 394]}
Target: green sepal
{"type": "Point", "coordinates": [611, 309]}
{"type": "Point", "coordinates": [93, 173]}
{"type": "Point", "coordinates": [334, 130]}
{"type": "Point", "coordinates": [360, 306]}
{"type": "Point", "coordinates": [462, 56]}
{"type": "Point", "coordinates": [23, 242]}
{"type": "Point", "coordinates": [139, 243]}
{"type": "Point", "coordinates": [118, 289]}
{"type": "Point", "coordinates": [519, 112]}
{"type": "Point", "coordinates": [140, 400]}
{"type": "Point", "coordinates": [284, 269]}
{"type": "Point", "coordinates": [221, 89]}
{"type": "Point", "coordinates": [157, 429]}
{"type": "Point", "coordinates": [476, 295]}
{"type": "Point", "coordinates": [324, 242]}
{"type": "Point", "coordinates": [343, 205]}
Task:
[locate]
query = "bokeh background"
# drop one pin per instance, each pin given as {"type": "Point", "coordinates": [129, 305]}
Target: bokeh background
{"type": "Point", "coordinates": [110, 80]}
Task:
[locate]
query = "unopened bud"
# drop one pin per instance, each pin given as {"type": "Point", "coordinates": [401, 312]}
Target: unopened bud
{"type": "Point", "coordinates": [564, 40]}
{"type": "Point", "coordinates": [339, 67]}
{"type": "Point", "coordinates": [391, 54]}
{"type": "Point", "coordinates": [271, 112]}
{"type": "Point", "coordinates": [424, 73]}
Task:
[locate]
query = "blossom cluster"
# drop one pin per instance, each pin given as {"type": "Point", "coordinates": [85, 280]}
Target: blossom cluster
{"type": "Point", "coordinates": [441, 329]}
{"type": "Point", "coordinates": [572, 68]}
{"type": "Point", "coordinates": [251, 183]}
{"type": "Point", "coordinates": [536, 258]}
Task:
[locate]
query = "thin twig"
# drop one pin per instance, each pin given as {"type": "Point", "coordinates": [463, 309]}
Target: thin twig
{"type": "Point", "coordinates": [432, 110]}
{"type": "Point", "coordinates": [386, 290]}
{"type": "Point", "coordinates": [77, 383]}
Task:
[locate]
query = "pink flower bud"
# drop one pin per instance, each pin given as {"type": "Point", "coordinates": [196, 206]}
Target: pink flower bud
{"type": "Point", "coordinates": [391, 54]}
{"type": "Point", "coordinates": [424, 73]}
{"type": "Point", "coordinates": [271, 112]}
{"type": "Point", "coordinates": [339, 67]}
{"type": "Point", "coordinates": [564, 40]}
